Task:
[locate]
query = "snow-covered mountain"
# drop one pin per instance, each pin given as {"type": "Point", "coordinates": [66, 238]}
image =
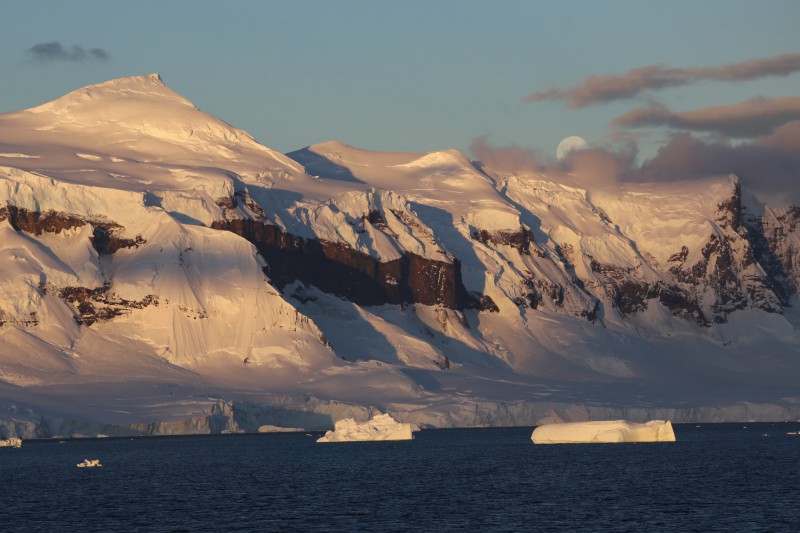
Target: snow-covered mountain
{"type": "Point", "coordinates": [164, 272]}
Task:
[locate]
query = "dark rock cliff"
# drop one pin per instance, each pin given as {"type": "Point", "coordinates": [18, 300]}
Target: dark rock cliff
{"type": "Point", "coordinates": [105, 238]}
{"type": "Point", "coordinates": [359, 277]}
{"type": "Point", "coordinates": [521, 239]}
{"type": "Point", "coordinates": [37, 223]}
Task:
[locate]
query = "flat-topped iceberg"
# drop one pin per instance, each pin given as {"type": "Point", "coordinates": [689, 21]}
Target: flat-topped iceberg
{"type": "Point", "coordinates": [380, 427]}
{"type": "Point", "coordinates": [604, 431]}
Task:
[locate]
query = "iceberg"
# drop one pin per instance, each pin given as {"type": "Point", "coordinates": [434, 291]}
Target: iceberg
{"type": "Point", "coordinates": [268, 428]}
{"type": "Point", "coordinates": [13, 442]}
{"type": "Point", "coordinates": [89, 463]}
{"type": "Point", "coordinates": [380, 427]}
{"type": "Point", "coordinates": [604, 431]}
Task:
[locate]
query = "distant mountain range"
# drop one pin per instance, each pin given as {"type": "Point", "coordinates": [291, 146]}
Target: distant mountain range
{"type": "Point", "coordinates": [162, 272]}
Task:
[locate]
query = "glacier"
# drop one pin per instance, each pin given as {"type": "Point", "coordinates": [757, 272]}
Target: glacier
{"type": "Point", "coordinates": [164, 273]}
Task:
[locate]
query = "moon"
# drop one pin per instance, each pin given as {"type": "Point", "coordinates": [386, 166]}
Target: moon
{"type": "Point", "coordinates": [569, 144]}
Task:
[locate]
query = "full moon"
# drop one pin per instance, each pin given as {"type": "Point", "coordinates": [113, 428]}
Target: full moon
{"type": "Point", "coordinates": [569, 144]}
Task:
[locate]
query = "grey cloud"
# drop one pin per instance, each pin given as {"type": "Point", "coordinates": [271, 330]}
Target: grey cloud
{"type": "Point", "coordinates": [595, 168]}
{"type": "Point", "coordinates": [600, 168]}
{"type": "Point", "coordinates": [601, 88]}
{"type": "Point", "coordinates": [768, 166]}
{"type": "Point", "coordinates": [99, 53]}
{"type": "Point", "coordinates": [55, 51]}
{"type": "Point", "coordinates": [511, 158]}
{"type": "Point", "coordinates": [744, 120]}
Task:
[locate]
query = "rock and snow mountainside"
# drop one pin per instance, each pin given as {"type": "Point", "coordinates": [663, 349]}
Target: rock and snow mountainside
{"type": "Point", "coordinates": [162, 272]}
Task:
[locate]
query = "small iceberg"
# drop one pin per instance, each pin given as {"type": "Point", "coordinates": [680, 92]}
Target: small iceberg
{"type": "Point", "coordinates": [12, 442]}
{"type": "Point", "coordinates": [267, 428]}
{"type": "Point", "coordinates": [89, 463]}
{"type": "Point", "coordinates": [604, 431]}
{"type": "Point", "coordinates": [380, 427]}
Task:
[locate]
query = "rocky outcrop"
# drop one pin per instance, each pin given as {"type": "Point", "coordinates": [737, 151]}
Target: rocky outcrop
{"type": "Point", "coordinates": [729, 211]}
{"type": "Point", "coordinates": [520, 239]}
{"type": "Point", "coordinates": [106, 237]}
{"type": "Point", "coordinates": [89, 304]}
{"type": "Point", "coordinates": [98, 304]}
{"type": "Point", "coordinates": [775, 247]}
{"type": "Point", "coordinates": [535, 290]}
{"type": "Point", "coordinates": [738, 267]}
{"type": "Point", "coordinates": [680, 302]}
{"type": "Point", "coordinates": [631, 295]}
{"type": "Point", "coordinates": [37, 223]}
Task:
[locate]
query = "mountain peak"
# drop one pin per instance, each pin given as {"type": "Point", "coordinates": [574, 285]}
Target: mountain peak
{"type": "Point", "coordinates": [153, 81]}
{"type": "Point", "coordinates": [120, 91]}
{"type": "Point", "coordinates": [134, 118]}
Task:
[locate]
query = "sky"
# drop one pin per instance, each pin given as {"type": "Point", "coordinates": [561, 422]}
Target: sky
{"type": "Point", "coordinates": [417, 75]}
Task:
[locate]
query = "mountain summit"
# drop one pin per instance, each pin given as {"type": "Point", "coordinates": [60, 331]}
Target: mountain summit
{"type": "Point", "coordinates": [164, 272]}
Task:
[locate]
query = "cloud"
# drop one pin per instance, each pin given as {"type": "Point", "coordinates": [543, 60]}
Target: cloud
{"type": "Point", "coordinates": [787, 137]}
{"type": "Point", "coordinates": [768, 166]}
{"type": "Point", "coordinates": [745, 120]}
{"type": "Point", "coordinates": [590, 169]}
{"type": "Point", "coordinates": [601, 88]}
{"type": "Point", "coordinates": [55, 51]}
{"type": "Point", "coordinates": [99, 53]}
{"type": "Point", "coordinates": [511, 158]}
{"type": "Point", "coordinates": [600, 168]}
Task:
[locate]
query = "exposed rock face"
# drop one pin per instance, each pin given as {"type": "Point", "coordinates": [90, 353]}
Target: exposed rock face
{"type": "Point", "coordinates": [487, 304]}
{"type": "Point", "coordinates": [739, 266]}
{"type": "Point", "coordinates": [375, 218]}
{"type": "Point", "coordinates": [92, 305]}
{"type": "Point", "coordinates": [37, 223]}
{"type": "Point", "coordinates": [105, 240]}
{"type": "Point", "coordinates": [730, 266]}
{"type": "Point", "coordinates": [775, 247]}
{"type": "Point", "coordinates": [521, 240]}
{"type": "Point", "coordinates": [89, 304]}
{"type": "Point", "coordinates": [679, 302]}
{"type": "Point", "coordinates": [341, 270]}
{"type": "Point", "coordinates": [630, 295]}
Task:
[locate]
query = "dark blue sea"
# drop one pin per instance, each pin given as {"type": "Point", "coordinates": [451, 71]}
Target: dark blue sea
{"type": "Point", "coordinates": [717, 477]}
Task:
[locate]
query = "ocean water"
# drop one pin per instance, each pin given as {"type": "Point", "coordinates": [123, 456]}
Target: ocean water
{"type": "Point", "coordinates": [717, 477]}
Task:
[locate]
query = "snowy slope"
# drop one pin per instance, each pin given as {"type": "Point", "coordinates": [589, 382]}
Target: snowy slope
{"type": "Point", "coordinates": [163, 272]}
